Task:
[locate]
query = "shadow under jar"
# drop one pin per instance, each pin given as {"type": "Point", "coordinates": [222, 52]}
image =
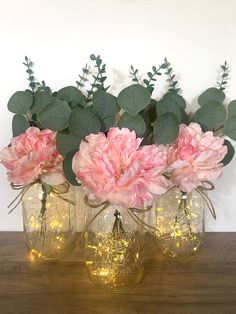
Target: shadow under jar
{"type": "Point", "coordinates": [113, 249]}
{"type": "Point", "coordinates": [180, 223]}
{"type": "Point", "coordinates": [49, 222]}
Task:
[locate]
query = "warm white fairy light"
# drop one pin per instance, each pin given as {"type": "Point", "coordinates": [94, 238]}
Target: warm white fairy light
{"type": "Point", "coordinates": [34, 223]}
{"type": "Point", "coordinates": [34, 254]}
{"type": "Point", "coordinates": [55, 224]}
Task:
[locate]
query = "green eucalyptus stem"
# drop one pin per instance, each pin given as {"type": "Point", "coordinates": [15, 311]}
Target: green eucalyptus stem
{"type": "Point", "coordinates": [34, 85]}
{"type": "Point", "coordinates": [173, 84]}
{"type": "Point", "coordinates": [29, 65]}
{"type": "Point", "coordinates": [133, 72]}
{"type": "Point", "coordinates": [154, 73]}
{"type": "Point", "coordinates": [83, 77]}
{"type": "Point", "coordinates": [100, 76]}
{"type": "Point", "coordinates": [151, 77]}
{"type": "Point", "coordinates": [90, 92]}
{"type": "Point", "coordinates": [224, 76]}
{"type": "Point", "coordinates": [99, 79]}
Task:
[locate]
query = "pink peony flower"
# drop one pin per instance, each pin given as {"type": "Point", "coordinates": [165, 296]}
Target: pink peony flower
{"type": "Point", "coordinates": [31, 156]}
{"type": "Point", "coordinates": [195, 157]}
{"type": "Point", "coordinates": [116, 170]}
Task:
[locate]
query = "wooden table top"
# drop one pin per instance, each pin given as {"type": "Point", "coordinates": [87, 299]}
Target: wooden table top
{"type": "Point", "coordinates": [203, 284]}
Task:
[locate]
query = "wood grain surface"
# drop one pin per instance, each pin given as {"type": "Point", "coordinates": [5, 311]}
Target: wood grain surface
{"type": "Point", "coordinates": [203, 284]}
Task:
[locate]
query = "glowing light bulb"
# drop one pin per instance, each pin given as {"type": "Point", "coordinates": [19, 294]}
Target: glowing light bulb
{"type": "Point", "coordinates": [34, 254]}
{"type": "Point", "coordinates": [56, 224]}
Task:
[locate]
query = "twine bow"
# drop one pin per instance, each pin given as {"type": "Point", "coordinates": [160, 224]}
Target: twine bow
{"type": "Point", "coordinates": [53, 190]}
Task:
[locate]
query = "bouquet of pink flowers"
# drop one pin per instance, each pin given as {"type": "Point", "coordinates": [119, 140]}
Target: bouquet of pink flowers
{"type": "Point", "coordinates": [126, 149]}
{"type": "Point", "coordinates": [172, 148]}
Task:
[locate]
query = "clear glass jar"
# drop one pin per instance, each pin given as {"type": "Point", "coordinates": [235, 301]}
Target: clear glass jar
{"type": "Point", "coordinates": [113, 249]}
{"type": "Point", "coordinates": [180, 222]}
{"type": "Point", "coordinates": [49, 234]}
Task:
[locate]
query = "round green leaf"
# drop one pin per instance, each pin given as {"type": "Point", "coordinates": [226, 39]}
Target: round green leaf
{"type": "Point", "coordinates": [166, 128]}
{"type": "Point", "coordinates": [108, 123]}
{"type": "Point", "coordinates": [232, 108]}
{"type": "Point", "coordinates": [210, 95]}
{"type": "Point", "coordinates": [83, 122]}
{"type": "Point", "coordinates": [104, 104]}
{"type": "Point", "coordinates": [55, 116]}
{"type": "Point", "coordinates": [20, 102]}
{"type": "Point", "coordinates": [71, 95]}
{"type": "Point", "coordinates": [41, 100]}
{"type": "Point", "coordinates": [165, 105]}
{"type": "Point", "coordinates": [19, 124]}
{"type": "Point", "coordinates": [230, 153]}
{"type": "Point", "coordinates": [66, 142]}
{"type": "Point", "coordinates": [133, 123]}
{"type": "Point", "coordinates": [175, 98]}
{"type": "Point", "coordinates": [230, 127]}
{"type": "Point", "coordinates": [133, 99]}
{"type": "Point", "coordinates": [211, 115]}
{"type": "Point", "coordinates": [67, 168]}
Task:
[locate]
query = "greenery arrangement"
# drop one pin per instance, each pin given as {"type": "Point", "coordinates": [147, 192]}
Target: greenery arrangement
{"type": "Point", "coordinates": [75, 112]}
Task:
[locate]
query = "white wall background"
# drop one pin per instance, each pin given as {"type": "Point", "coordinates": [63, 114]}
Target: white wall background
{"type": "Point", "coordinates": [59, 35]}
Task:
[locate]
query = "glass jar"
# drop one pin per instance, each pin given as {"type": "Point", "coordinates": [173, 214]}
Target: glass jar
{"type": "Point", "coordinates": [113, 248]}
{"type": "Point", "coordinates": [49, 223]}
{"type": "Point", "coordinates": [180, 222]}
